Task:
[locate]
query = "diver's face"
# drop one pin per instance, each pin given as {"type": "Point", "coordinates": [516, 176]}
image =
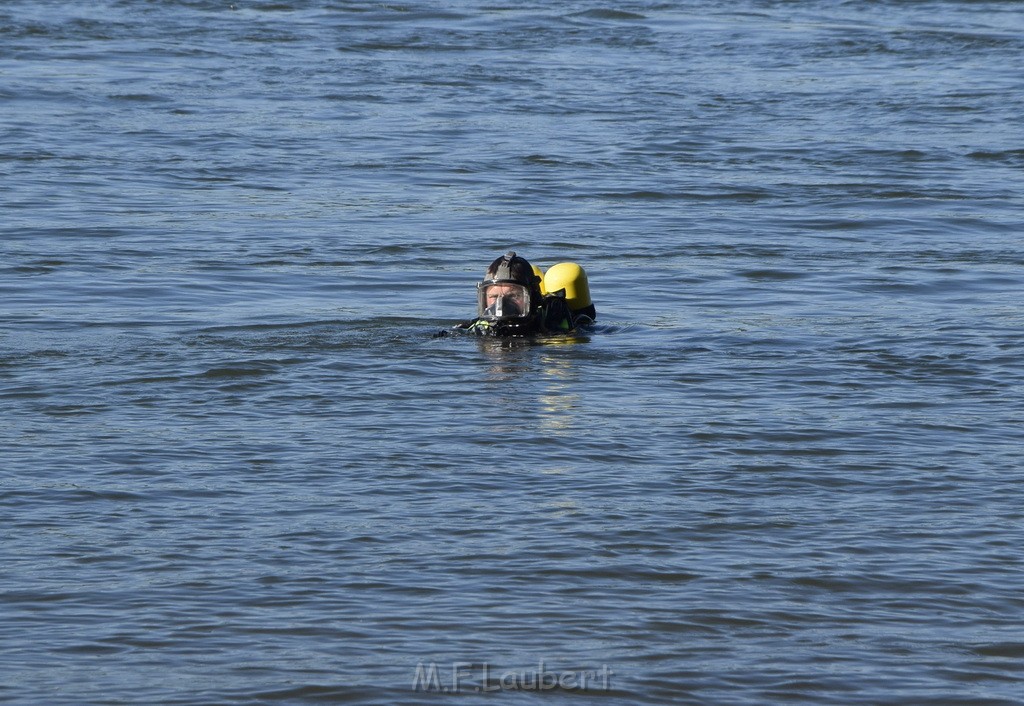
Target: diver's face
{"type": "Point", "coordinates": [504, 299]}
{"type": "Point", "coordinates": [507, 291]}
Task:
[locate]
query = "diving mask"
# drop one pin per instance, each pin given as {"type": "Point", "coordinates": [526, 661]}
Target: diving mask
{"type": "Point", "coordinates": [500, 301]}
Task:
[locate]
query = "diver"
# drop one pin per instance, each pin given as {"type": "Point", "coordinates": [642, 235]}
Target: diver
{"type": "Point", "coordinates": [514, 300]}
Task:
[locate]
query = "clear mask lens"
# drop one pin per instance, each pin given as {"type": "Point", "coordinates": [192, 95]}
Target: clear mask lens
{"type": "Point", "coordinates": [502, 300]}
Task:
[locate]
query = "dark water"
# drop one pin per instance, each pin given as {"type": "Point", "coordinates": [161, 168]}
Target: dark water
{"type": "Point", "coordinates": [784, 468]}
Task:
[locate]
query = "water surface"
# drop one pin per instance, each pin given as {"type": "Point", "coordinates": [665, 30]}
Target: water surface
{"type": "Point", "coordinates": [238, 468]}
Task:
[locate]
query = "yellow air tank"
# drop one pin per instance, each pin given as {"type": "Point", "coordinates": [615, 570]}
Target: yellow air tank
{"type": "Point", "coordinates": [570, 277]}
{"type": "Point", "coordinates": [540, 275]}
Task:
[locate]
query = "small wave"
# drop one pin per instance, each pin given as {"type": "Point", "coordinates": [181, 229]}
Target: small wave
{"type": "Point", "coordinates": [745, 196]}
{"type": "Point", "coordinates": [138, 97]}
{"type": "Point", "coordinates": [605, 14]}
{"type": "Point", "coordinates": [1013, 650]}
{"type": "Point", "coordinates": [1012, 157]}
{"type": "Point", "coordinates": [771, 275]}
{"type": "Point", "coordinates": [241, 369]}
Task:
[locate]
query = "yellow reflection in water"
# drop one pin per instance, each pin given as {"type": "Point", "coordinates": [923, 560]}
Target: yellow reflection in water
{"type": "Point", "coordinates": [558, 400]}
{"type": "Point", "coordinates": [541, 370]}
{"type": "Point", "coordinates": [562, 508]}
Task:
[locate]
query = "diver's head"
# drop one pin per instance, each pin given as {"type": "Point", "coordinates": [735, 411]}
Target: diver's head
{"type": "Point", "coordinates": [509, 292]}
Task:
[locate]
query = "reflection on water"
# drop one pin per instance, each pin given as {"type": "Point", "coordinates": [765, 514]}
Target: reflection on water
{"type": "Point", "coordinates": [541, 383]}
{"type": "Point", "coordinates": [558, 400]}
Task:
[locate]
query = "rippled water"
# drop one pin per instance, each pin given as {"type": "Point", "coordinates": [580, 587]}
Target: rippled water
{"type": "Point", "coordinates": [783, 467]}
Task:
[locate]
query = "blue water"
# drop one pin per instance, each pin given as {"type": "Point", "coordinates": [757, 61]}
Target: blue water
{"type": "Point", "coordinates": [236, 467]}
